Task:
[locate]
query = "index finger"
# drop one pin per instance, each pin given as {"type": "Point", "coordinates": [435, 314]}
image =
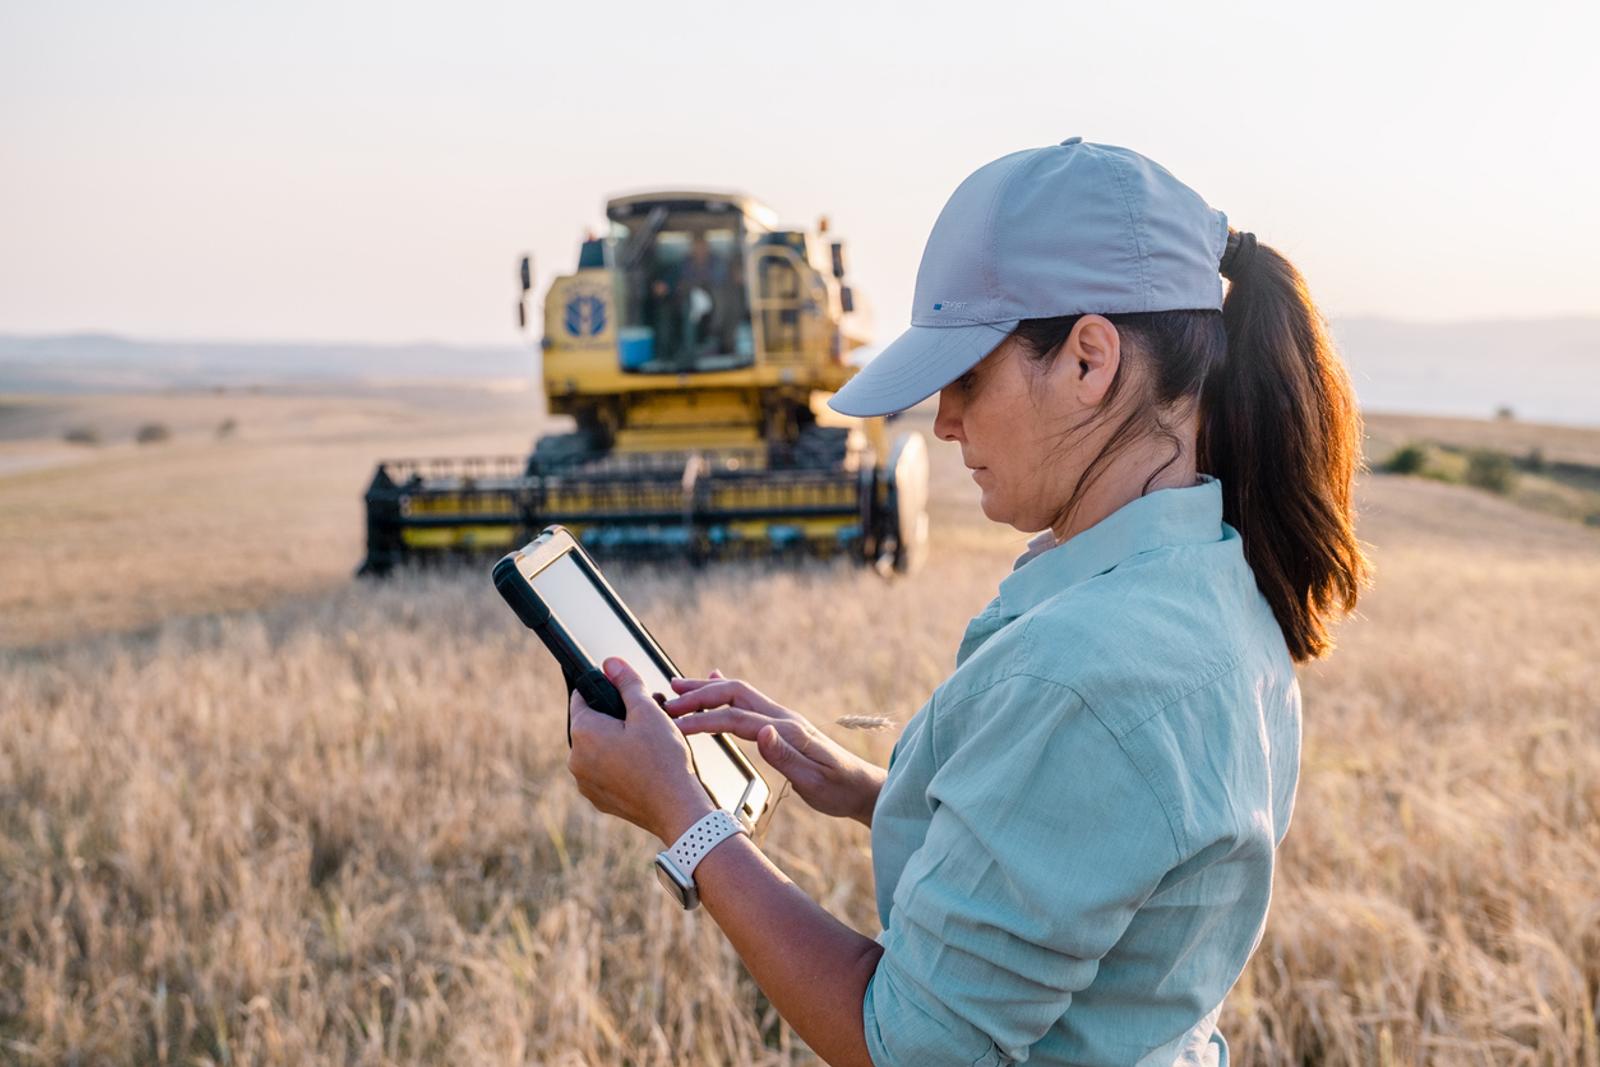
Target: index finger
{"type": "Point", "coordinates": [714, 693]}
{"type": "Point", "coordinates": [735, 721]}
{"type": "Point", "coordinates": [685, 685]}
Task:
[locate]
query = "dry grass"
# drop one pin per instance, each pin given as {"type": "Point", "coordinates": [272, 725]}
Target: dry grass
{"type": "Point", "coordinates": [344, 829]}
{"type": "Point", "coordinates": [340, 830]}
{"type": "Point", "coordinates": [199, 524]}
{"type": "Point", "coordinates": [1438, 897]}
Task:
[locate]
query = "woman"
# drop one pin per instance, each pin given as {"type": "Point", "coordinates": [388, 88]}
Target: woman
{"type": "Point", "coordinates": [1074, 840]}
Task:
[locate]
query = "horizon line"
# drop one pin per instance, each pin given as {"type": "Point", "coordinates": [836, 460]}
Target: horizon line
{"type": "Point", "coordinates": [286, 342]}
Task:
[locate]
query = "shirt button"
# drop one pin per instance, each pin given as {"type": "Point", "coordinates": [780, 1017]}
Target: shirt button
{"type": "Point", "coordinates": [1070, 140]}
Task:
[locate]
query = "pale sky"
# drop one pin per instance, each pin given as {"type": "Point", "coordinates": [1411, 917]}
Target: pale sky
{"type": "Point", "coordinates": [372, 171]}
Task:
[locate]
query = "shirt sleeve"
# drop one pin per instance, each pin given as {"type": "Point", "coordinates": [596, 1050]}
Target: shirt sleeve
{"type": "Point", "coordinates": [1045, 838]}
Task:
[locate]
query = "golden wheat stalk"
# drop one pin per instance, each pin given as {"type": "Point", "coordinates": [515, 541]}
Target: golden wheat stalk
{"type": "Point", "coordinates": [864, 722]}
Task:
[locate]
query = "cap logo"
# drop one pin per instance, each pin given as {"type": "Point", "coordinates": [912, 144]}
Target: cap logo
{"type": "Point", "coordinates": [949, 305]}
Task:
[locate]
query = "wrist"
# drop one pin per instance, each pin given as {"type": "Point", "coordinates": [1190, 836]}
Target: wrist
{"type": "Point", "coordinates": [677, 867]}
{"type": "Point", "coordinates": [682, 812]}
{"type": "Point", "coordinates": [873, 778]}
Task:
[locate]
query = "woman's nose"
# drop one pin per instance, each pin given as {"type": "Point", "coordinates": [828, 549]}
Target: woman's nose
{"type": "Point", "coordinates": [947, 423]}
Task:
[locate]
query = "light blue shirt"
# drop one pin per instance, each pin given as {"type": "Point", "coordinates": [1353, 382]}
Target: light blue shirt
{"type": "Point", "coordinates": [1074, 845]}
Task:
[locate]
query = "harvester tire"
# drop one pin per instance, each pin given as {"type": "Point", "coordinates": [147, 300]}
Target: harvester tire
{"type": "Point", "coordinates": [559, 450]}
{"type": "Point", "coordinates": [903, 542]}
{"type": "Point", "coordinates": [816, 448]}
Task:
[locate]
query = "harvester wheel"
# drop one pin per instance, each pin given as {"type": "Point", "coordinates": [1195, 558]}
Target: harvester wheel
{"type": "Point", "coordinates": [903, 523]}
{"type": "Point", "coordinates": [559, 450]}
{"type": "Point", "coordinates": [816, 448]}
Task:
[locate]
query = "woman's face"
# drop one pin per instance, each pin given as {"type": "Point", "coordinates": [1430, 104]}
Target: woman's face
{"type": "Point", "coordinates": [990, 413]}
{"type": "Point", "coordinates": [1008, 415]}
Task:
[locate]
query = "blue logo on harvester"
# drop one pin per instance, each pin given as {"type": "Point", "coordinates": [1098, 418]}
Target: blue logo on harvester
{"type": "Point", "coordinates": [585, 316]}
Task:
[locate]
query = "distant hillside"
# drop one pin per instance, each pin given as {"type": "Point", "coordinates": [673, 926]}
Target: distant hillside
{"type": "Point", "coordinates": [108, 363]}
{"type": "Point", "coordinates": [1544, 370]}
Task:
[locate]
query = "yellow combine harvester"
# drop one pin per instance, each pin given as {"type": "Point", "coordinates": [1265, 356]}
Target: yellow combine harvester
{"type": "Point", "coordinates": [695, 347]}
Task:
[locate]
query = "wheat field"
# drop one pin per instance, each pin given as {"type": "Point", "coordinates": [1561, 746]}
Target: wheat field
{"type": "Point", "coordinates": [335, 827]}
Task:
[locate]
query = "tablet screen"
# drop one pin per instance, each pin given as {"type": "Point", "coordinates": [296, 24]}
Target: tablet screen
{"type": "Point", "coordinates": [586, 615]}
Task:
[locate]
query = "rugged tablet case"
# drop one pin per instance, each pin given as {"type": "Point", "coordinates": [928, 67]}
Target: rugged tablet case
{"type": "Point", "coordinates": [585, 677]}
{"type": "Point", "coordinates": [579, 674]}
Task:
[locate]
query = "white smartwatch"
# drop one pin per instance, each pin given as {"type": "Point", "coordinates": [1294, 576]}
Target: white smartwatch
{"type": "Point", "coordinates": [675, 866]}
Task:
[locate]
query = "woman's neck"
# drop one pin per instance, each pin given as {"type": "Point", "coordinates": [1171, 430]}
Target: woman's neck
{"type": "Point", "coordinates": [1124, 479]}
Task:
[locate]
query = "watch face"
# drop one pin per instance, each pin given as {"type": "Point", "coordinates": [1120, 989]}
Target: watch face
{"type": "Point", "coordinates": [665, 877]}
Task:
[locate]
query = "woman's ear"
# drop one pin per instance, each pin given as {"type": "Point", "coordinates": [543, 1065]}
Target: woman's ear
{"type": "Point", "coordinates": [1091, 356]}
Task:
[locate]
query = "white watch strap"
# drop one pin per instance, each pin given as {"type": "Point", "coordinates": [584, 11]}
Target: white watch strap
{"type": "Point", "coordinates": [713, 828]}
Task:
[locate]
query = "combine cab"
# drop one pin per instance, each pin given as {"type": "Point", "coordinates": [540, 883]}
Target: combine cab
{"type": "Point", "coordinates": [695, 347]}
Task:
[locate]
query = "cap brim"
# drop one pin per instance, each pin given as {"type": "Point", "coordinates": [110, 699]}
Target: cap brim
{"type": "Point", "coordinates": [917, 364]}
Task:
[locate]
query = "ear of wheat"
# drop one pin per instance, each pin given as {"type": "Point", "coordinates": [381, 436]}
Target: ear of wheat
{"type": "Point", "coordinates": [864, 722]}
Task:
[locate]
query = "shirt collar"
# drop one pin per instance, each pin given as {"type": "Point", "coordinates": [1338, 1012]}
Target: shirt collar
{"type": "Point", "coordinates": [1188, 516]}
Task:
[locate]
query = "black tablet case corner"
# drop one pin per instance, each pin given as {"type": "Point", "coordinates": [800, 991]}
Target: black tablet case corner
{"type": "Point", "coordinates": [579, 674]}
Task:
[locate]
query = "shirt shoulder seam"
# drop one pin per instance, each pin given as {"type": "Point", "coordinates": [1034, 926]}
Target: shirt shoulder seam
{"type": "Point", "coordinates": [1220, 669]}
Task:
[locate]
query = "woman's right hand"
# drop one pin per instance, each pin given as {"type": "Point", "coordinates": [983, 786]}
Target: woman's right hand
{"type": "Point", "coordinates": [832, 779]}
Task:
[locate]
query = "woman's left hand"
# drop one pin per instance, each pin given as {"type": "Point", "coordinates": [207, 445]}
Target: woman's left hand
{"type": "Point", "coordinates": [638, 769]}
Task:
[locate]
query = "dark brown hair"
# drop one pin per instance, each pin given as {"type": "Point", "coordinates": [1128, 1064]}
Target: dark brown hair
{"type": "Point", "coordinates": [1279, 428]}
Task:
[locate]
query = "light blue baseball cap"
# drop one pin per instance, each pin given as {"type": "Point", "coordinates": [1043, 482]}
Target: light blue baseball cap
{"type": "Point", "coordinates": [1070, 229]}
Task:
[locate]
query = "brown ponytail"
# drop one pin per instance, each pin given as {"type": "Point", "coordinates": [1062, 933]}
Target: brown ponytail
{"type": "Point", "coordinates": [1279, 428]}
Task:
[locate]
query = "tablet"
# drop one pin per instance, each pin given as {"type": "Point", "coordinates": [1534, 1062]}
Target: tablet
{"type": "Point", "coordinates": [557, 590]}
